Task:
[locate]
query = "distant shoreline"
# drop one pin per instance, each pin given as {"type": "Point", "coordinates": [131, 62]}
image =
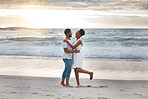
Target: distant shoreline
{"type": "Point", "coordinates": [28, 28]}
{"type": "Point", "coordinates": [17, 28]}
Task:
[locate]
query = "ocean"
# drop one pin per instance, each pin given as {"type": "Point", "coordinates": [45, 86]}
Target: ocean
{"type": "Point", "coordinates": [97, 43]}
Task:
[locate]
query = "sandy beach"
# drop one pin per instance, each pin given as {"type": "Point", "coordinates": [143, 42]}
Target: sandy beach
{"type": "Point", "coordinates": [28, 77]}
{"type": "Point", "coordinates": [109, 37]}
{"type": "Point", "coordinates": [20, 87]}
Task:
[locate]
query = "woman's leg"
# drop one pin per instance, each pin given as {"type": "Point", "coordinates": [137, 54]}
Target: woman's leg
{"type": "Point", "coordinates": [77, 77]}
{"type": "Point", "coordinates": [79, 70]}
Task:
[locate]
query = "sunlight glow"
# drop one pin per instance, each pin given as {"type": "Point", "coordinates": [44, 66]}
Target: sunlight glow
{"type": "Point", "coordinates": [49, 18]}
{"type": "Point", "coordinates": [53, 18]}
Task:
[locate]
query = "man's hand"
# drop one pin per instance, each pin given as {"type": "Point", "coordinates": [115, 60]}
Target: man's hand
{"type": "Point", "coordinates": [76, 51]}
{"type": "Point", "coordinates": [81, 44]}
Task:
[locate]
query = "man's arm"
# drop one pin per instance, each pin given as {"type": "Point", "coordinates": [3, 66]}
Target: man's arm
{"type": "Point", "coordinates": [69, 51]}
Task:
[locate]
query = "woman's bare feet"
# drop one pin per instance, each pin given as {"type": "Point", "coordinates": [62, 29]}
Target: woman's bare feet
{"type": "Point", "coordinates": [78, 86]}
{"type": "Point", "coordinates": [91, 75]}
{"type": "Point", "coordinates": [68, 85]}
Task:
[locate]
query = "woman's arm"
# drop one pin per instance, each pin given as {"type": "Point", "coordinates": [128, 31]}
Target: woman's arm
{"type": "Point", "coordinates": [75, 46]}
{"type": "Point", "coordinates": [69, 51]}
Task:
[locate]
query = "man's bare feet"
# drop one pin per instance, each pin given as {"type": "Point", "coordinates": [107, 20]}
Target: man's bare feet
{"type": "Point", "coordinates": [91, 75]}
{"type": "Point", "coordinates": [62, 84]}
{"type": "Point", "coordinates": [68, 85]}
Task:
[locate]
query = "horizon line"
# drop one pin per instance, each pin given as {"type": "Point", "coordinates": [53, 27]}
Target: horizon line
{"type": "Point", "coordinates": [23, 27]}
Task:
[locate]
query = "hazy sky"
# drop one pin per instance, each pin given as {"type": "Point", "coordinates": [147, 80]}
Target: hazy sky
{"type": "Point", "coordinates": [74, 13]}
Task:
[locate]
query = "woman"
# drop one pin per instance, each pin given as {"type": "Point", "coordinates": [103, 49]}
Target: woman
{"type": "Point", "coordinates": [78, 59]}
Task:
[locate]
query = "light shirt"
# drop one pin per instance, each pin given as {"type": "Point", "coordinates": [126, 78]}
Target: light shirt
{"type": "Point", "coordinates": [65, 45]}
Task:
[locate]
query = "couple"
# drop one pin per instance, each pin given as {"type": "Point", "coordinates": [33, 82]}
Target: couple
{"type": "Point", "coordinates": [72, 55]}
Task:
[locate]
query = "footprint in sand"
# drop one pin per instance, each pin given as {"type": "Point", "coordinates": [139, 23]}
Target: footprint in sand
{"type": "Point", "coordinates": [122, 90]}
{"type": "Point", "coordinates": [50, 95]}
{"type": "Point", "coordinates": [137, 94]}
{"type": "Point", "coordinates": [13, 92]}
{"type": "Point", "coordinates": [34, 93]}
{"type": "Point", "coordinates": [2, 98]}
{"type": "Point", "coordinates": [97, 87]}
{"type": "Point", "coordinates": [88, 85]}
{"type": "Point", "coordinates": [94, 86]}
{"type": "Point", "coordinates": [103, 87]}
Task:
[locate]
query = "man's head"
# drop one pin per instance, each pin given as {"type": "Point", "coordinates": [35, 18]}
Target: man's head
{"type": "Point", "coordinates": [68, 33]}
{"type": "Point", "coordinates": [80, 33]}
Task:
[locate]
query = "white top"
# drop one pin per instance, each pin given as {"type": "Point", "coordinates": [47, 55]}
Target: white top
{"type": "Point", "coordinates": [65, 45]}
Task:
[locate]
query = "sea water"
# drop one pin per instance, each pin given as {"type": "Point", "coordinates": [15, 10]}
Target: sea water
{"type": "Point", "coordinates": [97, 43]}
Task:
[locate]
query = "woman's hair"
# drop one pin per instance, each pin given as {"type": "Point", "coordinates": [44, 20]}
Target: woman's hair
{"type": "Point", "coordinates": [82, 32]}
{"type": "Point", "coordinates": [67, 31]}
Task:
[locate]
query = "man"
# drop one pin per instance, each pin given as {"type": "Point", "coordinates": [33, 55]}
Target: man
{"type": "Point", "coordinates": [67, 58]}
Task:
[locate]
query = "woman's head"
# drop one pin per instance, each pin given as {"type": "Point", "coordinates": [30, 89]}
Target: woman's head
{"type": "Point", "coordinates": [80, 33]}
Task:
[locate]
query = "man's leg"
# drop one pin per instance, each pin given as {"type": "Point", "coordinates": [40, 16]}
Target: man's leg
{"type": "Point", "coordinates": [68, 71]}
{"type": "Point", "coordinates": [63, 75]}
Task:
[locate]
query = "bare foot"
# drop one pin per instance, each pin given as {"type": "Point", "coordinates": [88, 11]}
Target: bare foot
{"type": "Point", "coordinates": [68, 86]}
{"type": "Point", "coordinates": [62, 84]}
{"type": "Point", "coordinates": [91, 75]}
{"type": "Point", "coordinates": [78, 86]}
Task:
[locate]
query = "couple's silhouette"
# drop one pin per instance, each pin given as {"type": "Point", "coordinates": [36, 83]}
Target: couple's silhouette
{"type": "Point", "coordinates": [72, 57]}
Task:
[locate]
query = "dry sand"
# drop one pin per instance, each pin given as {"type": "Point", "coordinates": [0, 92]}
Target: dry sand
{"type": "Point", "coordinates": [39, 78]}
{"type": "Point", "coordinates": [20, 87]}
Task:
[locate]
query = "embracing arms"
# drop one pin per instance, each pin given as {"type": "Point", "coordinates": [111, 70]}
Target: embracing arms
{"type": "Point", "coordinates": [75, 46]}
{"type": "Point", "coordinates": [69, 51]}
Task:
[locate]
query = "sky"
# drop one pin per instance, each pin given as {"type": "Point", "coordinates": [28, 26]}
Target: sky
{"type": "Point", "coordinates": [74, 13]}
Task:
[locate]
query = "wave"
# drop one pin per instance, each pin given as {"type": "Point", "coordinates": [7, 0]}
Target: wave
{"type": "Point", "coordinates": [93, 39]}
{"type": "Point", "coordinates": [98, 43]}
{"type": "Point", "coordinates": [117, 39]}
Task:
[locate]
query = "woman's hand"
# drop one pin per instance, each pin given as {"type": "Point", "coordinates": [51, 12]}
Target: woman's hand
{"type": "Point", "coordinates": [65, 40]}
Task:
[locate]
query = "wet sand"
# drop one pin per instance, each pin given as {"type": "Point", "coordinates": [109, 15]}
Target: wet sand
{"type": "Point", "coordinates": [53, 67]}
